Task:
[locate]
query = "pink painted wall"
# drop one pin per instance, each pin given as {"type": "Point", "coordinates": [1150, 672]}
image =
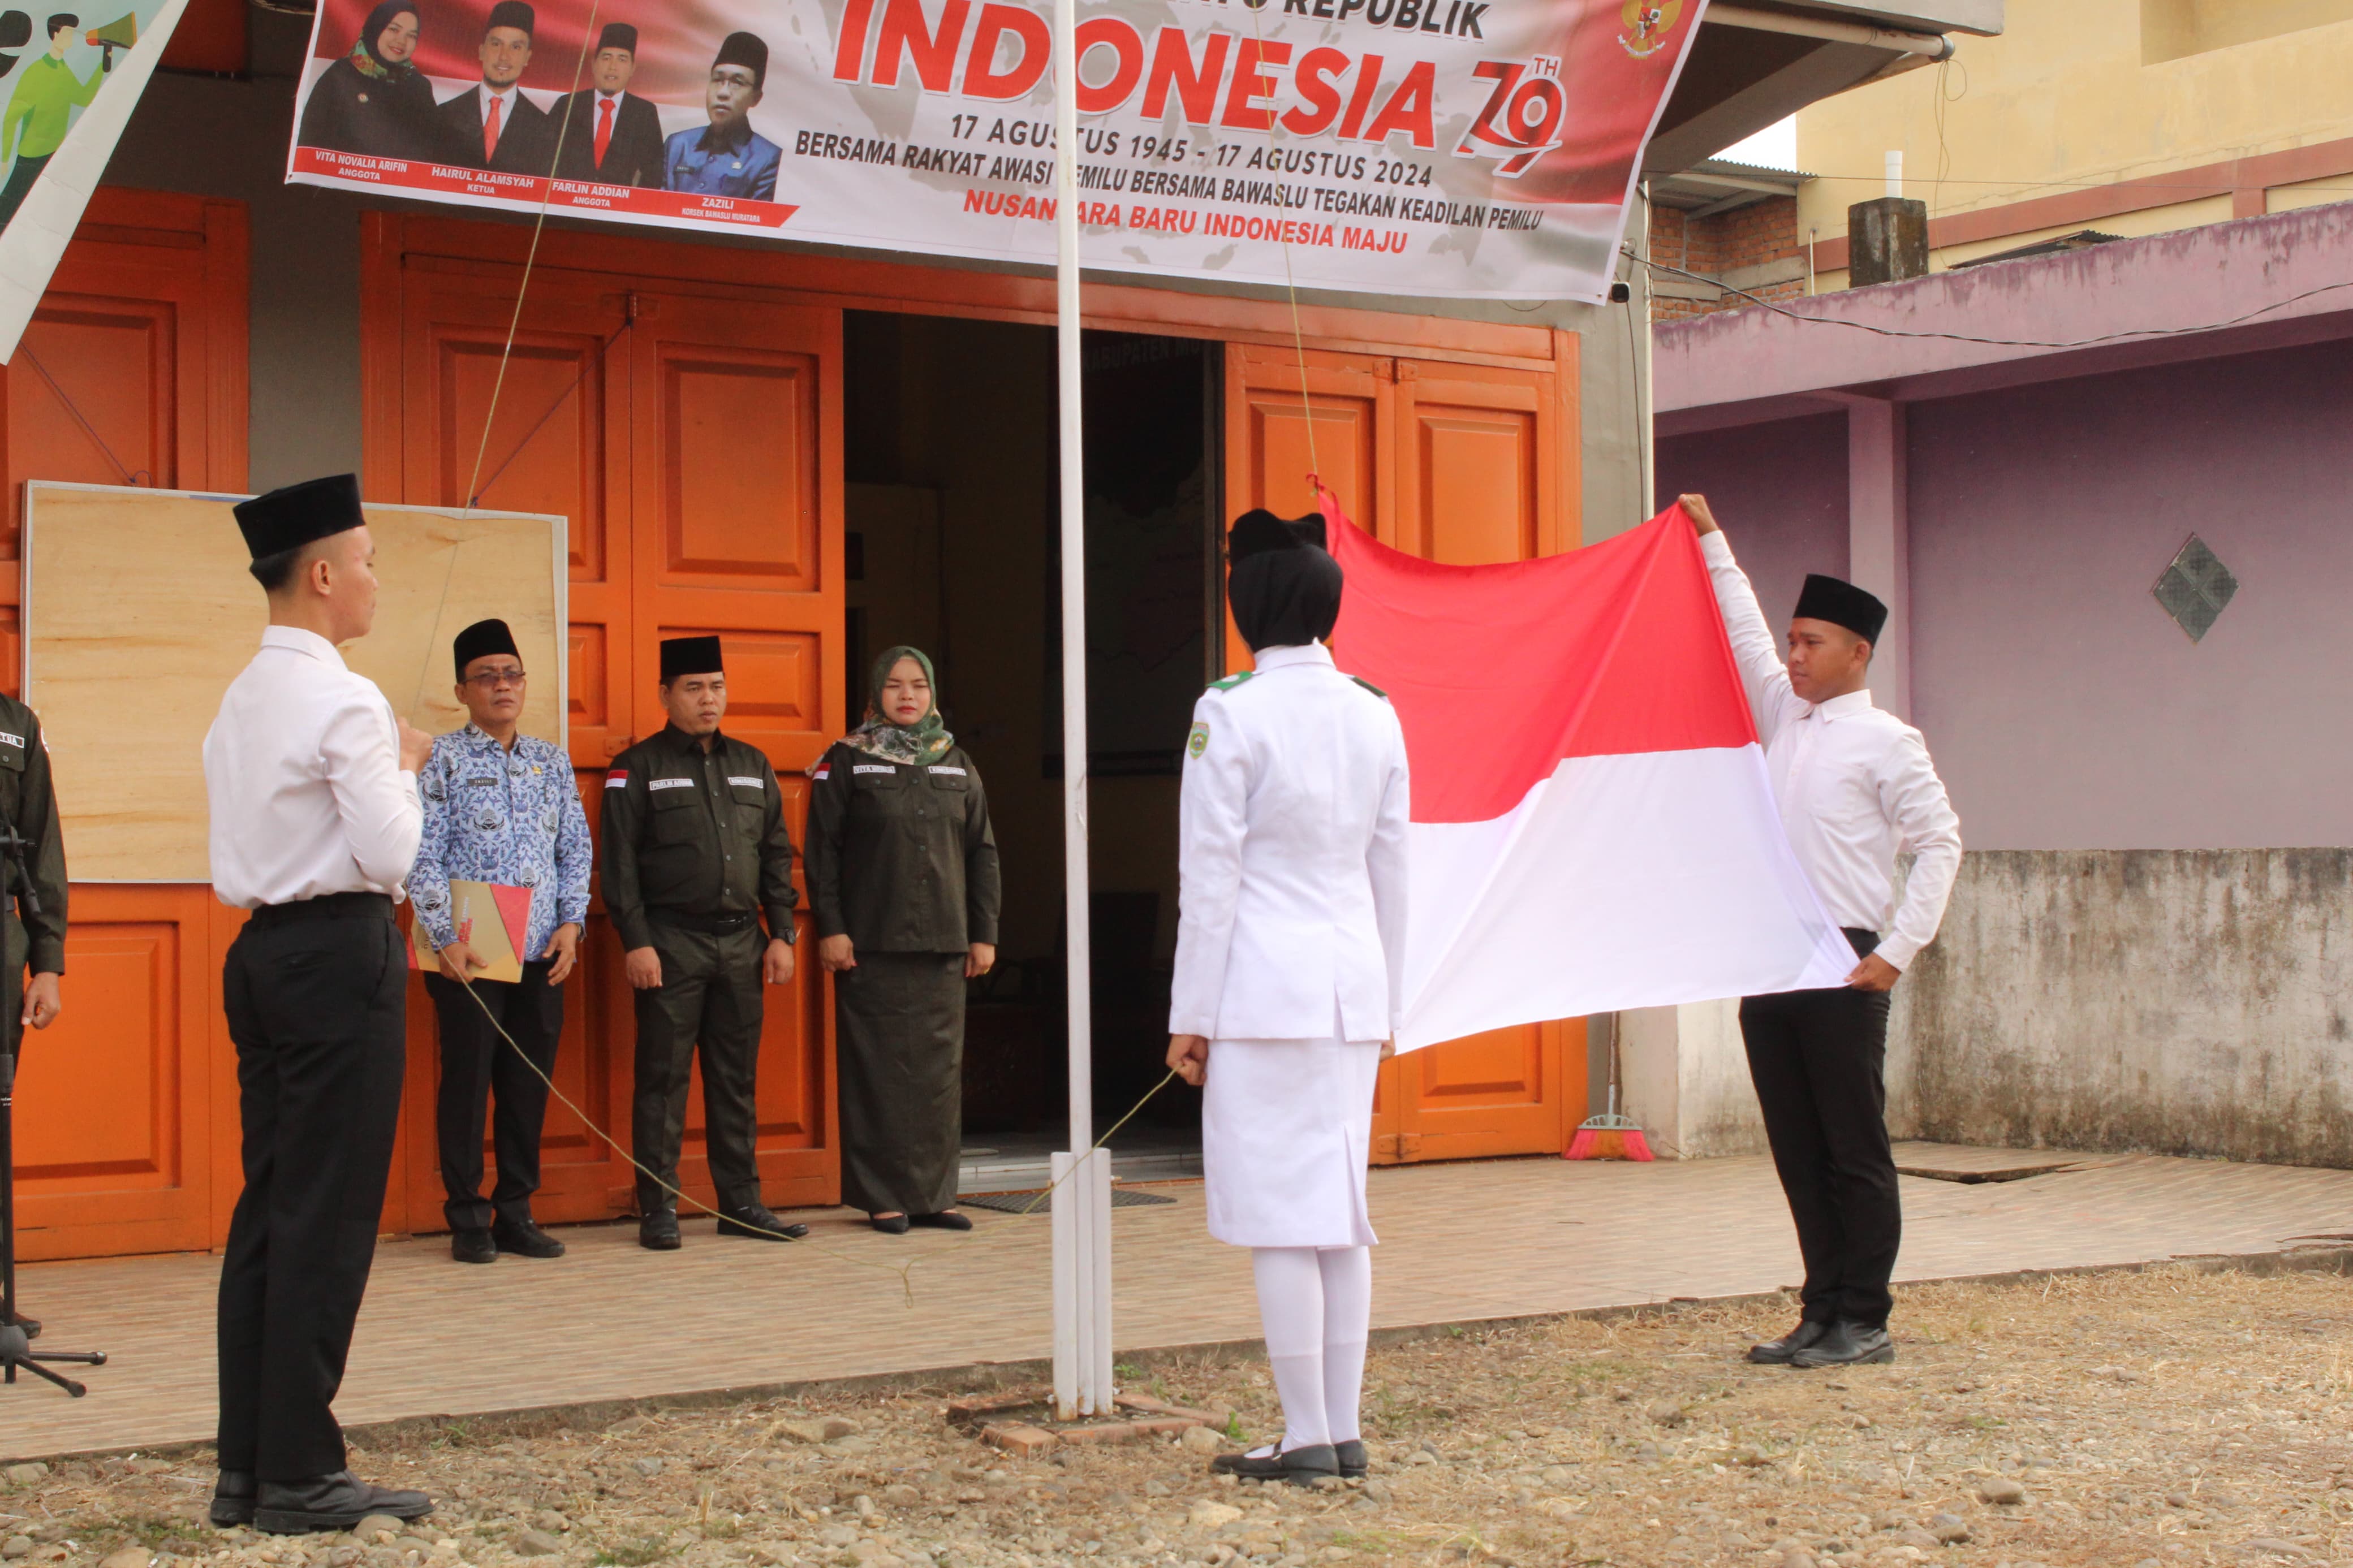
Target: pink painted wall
{"type": "Point", "coordinates": [1779, 489]}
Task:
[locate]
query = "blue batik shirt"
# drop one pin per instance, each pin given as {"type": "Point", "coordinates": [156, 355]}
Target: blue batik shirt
{"type": "Point", "coordinates": [510, 817]}
{"type": "Point", "coordinates": [693, 161]}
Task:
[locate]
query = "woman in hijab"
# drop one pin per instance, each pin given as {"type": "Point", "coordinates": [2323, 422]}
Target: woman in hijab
{"type": "Point", "coordinates": [1290, 955]}
{"type": "Point", "coordinates": [902, 872]}
{"type": "Point", "coordinates": [375, 102]}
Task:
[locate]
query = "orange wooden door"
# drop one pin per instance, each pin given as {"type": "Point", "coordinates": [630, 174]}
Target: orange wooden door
{"type": "Point", "coordinates": [1454, 462]}
{"type": "Point", "coordinates": [737, 520]}
{"type": "Point", "coordinates": [132, 370]}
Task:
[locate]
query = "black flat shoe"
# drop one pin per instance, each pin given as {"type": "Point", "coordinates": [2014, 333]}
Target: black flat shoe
{"type": "Point", "coordinates": [946, 1219]}
{"type": "Point", "coordinates": [1777, 1352]}
{"type": "Point", "coordinates": [658, 1231]}
{"type": "Point", "coordinates": [1848, 1344]}
{"type": "Point", "coordinates": [233, 1497]}
{"type": "Point", "coordinates": [524, 1239]}
{"type": "Point", "coordinates": [1353, 1461]}
{"type": "Point", "coordinates": [330, 1502]}
{"type": "Point", "coordinates": [894, 1225]}
{"type": "Point", "coordinates": [756, 1224]}
{"type": "Point", "coordinates": [1299, 1466]}
{"type": "Point", "coordinates": [32, 1326]}
{"type": "Point", "coordinates": [471, 1245]}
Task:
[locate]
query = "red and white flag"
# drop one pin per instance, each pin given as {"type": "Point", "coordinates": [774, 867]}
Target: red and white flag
{"type": "Point", "coordinates": [1592, 825]}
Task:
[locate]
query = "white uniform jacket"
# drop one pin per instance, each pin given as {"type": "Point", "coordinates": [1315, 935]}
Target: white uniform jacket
{"type": "Point", "coordinates": [1292, 855]}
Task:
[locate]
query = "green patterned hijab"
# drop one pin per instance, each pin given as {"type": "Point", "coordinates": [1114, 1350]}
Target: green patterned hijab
{"type": "Point", "coordinates": [919, 744]}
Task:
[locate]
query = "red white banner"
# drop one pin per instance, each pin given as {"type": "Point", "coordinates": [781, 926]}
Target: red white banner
{"type": "Point", "coordinates": [1458, 148]}
{"type": "Point", "coordinates": [1592, 825]}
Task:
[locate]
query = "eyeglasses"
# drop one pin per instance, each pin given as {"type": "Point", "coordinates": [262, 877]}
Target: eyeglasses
{"type": "Point", "coordinates": [490, 680]}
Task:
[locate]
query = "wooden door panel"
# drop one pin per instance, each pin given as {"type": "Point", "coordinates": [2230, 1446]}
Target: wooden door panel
{"type": "Point", "coordinates": [1479, 465]}
{"type": "Point", "coordinates": [739, 495]}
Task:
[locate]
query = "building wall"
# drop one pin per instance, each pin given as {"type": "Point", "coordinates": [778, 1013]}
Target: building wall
{"type": "Point", "coordinates": [1728, 245]}
{"type": "Point", "coordinates": [1779, 489]}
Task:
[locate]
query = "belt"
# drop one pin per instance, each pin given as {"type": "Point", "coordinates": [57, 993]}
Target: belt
{"type": "Point", "coordinates": [708, 925]}
{"type": "Point", "coordinates": [325, 907]}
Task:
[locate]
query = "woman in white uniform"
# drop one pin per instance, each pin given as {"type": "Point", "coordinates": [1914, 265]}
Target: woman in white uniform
{"type": "Point", "coordinates": [1289, 955]}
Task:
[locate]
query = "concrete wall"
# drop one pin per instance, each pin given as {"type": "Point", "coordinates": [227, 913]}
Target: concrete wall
{"type": "Point", "coordinates": [2185, 1002]}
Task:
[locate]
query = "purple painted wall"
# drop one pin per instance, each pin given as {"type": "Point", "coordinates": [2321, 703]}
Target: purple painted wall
{"type": "Point", "coordinates": [1779, 489]}
{"type": "Point", "coordinates": [2066, 709]}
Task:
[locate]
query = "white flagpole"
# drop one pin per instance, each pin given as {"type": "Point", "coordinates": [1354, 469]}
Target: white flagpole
{"type": "Point", "coordinates": [1081, 1202]}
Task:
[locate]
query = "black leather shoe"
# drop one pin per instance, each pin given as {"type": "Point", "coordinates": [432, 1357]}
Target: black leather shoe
{"type": "Point", "coordinates": [1299, 1466]}
{"type": "Point", "coordinates": [524, 1239]}
{"type": "Point", "coordinates": [32, 1326]}
{"type": "Point", "coordinates": [890, 1225]}
{"type": "Point", "coordinates": [658, 1231]}
{"type": "Point", "coordinates": [330, 1502]}
{"type": "Point", "coordinates": [233, 1499]}
{"type": "Point", "coordinates": [472, 1246]}
{"type": "Point", "coordinates": [1777, 1352]}
{"type": "Point", "coordinates": [1848, 1344]}
{"type": "Point", "coordinates": [946, 1219]}
{"type": "Point", "coordinates": [1353, 1461]}
{"type": "Point", "coordinates": [757, 1224]}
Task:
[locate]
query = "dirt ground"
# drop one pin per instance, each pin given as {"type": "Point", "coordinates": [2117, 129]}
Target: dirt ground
{"type": "Point", "coordinates": [2169, 1417]}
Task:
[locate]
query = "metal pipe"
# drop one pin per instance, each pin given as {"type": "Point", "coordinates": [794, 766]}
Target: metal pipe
{"type": "Point", "coordinates": [1930, 45]}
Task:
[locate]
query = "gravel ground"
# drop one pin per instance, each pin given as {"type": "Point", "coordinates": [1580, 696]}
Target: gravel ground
{"type": "Point", "coordinates": [2168, 1418]}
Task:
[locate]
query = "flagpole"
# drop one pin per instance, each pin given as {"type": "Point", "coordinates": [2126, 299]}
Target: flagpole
{"type": "Point", "coordinates": [1082, 1201]}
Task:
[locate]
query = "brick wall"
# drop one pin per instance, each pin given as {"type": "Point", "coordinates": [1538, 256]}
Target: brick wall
{"type": "Point", "coordinates": [1745, 237]}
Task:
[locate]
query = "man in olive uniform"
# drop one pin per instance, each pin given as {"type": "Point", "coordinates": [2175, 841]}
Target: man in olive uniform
{"type": "Point", "coordinates": [695, 852]}
{"type": "Point", "coordinates": [35, 895]}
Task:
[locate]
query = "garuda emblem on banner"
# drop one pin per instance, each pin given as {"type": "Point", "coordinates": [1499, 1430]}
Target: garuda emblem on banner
{"type": "Point", "coordinates": [1648, 25]}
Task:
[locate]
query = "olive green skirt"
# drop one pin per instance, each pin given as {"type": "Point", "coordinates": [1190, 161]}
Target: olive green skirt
{"type": "Point", "coordinates": [899, 1045]}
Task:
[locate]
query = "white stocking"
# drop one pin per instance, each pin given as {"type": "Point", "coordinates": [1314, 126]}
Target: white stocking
{"type": "Point", "coordinates": [1347, 1276]}
{"type": "Point", "coordinates": [1290, 1311]}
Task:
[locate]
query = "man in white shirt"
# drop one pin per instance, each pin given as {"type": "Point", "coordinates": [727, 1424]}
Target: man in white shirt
{"type": "Point", "coordinates": [315, 820]}
{"type": "Point", "coordinates": [1290, 977]}
{"type": "Point", "coordinates": [1855, 787]}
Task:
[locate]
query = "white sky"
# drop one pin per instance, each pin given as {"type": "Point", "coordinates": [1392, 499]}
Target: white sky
{"type": "Point", "coordinates": [1775, 147]}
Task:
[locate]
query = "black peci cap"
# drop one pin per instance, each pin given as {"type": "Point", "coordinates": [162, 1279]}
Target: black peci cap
{"type": "Point", "coordinates": [483, 638]}
{"type": "Point", "coordinates": [745, 50]}
{"type": "Point", "coordinates": [617, 36]}
{"type": "Point", "coordinates": [1259, 531]}
{"type": "Point", "coordinates": [1843, 604]}
{"type": "Point", "coordinates": [689, 655]}
{"type": "Point", "coordinates": [513, 14]}
{"type": "Point", "coordinates": [293, 515]}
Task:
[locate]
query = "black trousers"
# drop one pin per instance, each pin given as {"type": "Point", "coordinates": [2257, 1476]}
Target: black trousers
{"type": "Point", "coordinates": [316, 997]}
{"type": "Point", "coordinates": [478, 1069]}
{"type": "Point", "coordinates": [710, 996]}
{"type": "Point", "coordinates": [1818, 1060]}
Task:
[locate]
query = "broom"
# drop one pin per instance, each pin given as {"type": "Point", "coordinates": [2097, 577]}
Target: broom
{"type": "Point", "coordinates": [1609, 1136]}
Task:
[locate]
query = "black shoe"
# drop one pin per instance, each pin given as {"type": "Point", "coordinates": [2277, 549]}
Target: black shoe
{"type": "Point", "coordinates": [1848, 1344]}
{"type": "Point", "coordinates": [473, 1246]}
{"type": "Point", "coordinates": [524, 1239]}
{"type": "Point", "coordinates": [1354, 1462]}
{"type": "Point", "coordinates": [1777, 1352]}
{"type": "Point", "coordinates": [32, 1326]}
{"type": "Point", "coordinates": [657, 1231]}
{"type": "Point", "coordinates": [893, 1224]}
{"type": "Point", "coordinates": [233, 1500]}
{"type": "Point", "coordinates": [330, 1502]}
{"type": "Point", "coordinates": [757, 1224]}
{"type": "Point", "coordinates": [946, 1219]}
{"type": "Point", "coordinates": [1299, 1466]}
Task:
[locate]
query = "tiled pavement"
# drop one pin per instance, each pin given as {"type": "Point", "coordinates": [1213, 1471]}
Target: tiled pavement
{"type": "Point", "coordinates": [1461, 1242]}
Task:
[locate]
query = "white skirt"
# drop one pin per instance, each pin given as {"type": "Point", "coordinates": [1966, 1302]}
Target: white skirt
{"type": "Point", "coordinates": [1286, 1133]}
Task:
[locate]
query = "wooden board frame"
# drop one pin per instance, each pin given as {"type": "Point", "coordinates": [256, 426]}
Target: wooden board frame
{"type": "Point", "coordinates": [148, 825]}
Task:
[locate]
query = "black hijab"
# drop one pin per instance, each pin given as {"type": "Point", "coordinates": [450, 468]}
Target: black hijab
{"type": "Point", "coordinates": [1283, 588]}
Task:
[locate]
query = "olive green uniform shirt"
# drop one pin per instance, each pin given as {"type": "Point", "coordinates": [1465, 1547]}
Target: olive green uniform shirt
{"type": "Point", "coordinates": [695, 834]}
{"type": "Point", "coordinates": [31, 806]}
{"type": "Point", "coordinates": [901, 857]}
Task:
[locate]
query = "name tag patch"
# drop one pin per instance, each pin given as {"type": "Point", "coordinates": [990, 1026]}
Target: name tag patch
{"type": "Point", "coordinates": [670, 783]}
{"type": "Point", "coordinates": [952, 772]}
{"type": "Point", "coordinates": [871, 768]}
{"type": "Point", "coordinates": [746, 782]}
{"type": "Point", "coordinates": [15, 740]}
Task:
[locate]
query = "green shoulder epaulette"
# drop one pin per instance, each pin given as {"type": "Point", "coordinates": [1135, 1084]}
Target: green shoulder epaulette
{"type": "Point", "coordinates": [1370, 686]}
{"type": "Point", "coordinates": [1229, 682]}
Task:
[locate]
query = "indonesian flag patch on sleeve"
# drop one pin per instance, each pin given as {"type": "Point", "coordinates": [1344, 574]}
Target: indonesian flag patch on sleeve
{"type": "Point", "coordinates": [823, 773]}
{"type": "Point", "coordinates": [617, 779]}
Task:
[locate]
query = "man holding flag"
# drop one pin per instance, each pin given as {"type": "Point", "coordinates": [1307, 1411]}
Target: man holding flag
{"type": "Point", "coordinates": [1854, 784]}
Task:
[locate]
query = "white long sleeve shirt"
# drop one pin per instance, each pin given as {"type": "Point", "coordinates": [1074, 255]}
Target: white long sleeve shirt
{"type": "Point", "coordinates": [302, 767]}
{"type": "Point", "coordinates": [1854, 784]}
{"type": "Point", "coordinates": [1291, 857]}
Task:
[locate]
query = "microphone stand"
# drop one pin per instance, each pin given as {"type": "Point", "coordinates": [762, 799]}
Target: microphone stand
{"type": "Point", "coordinates": [16, 1344]}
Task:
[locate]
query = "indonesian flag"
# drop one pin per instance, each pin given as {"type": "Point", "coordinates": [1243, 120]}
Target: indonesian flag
{"type": "Point", "coordinates": [1592, 825]}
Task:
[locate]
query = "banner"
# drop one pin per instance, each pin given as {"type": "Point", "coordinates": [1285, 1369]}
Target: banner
{"type": "Point", "coordinates": [70, 81]}
{"type": "Point", "coordinates": [1455, 148]}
